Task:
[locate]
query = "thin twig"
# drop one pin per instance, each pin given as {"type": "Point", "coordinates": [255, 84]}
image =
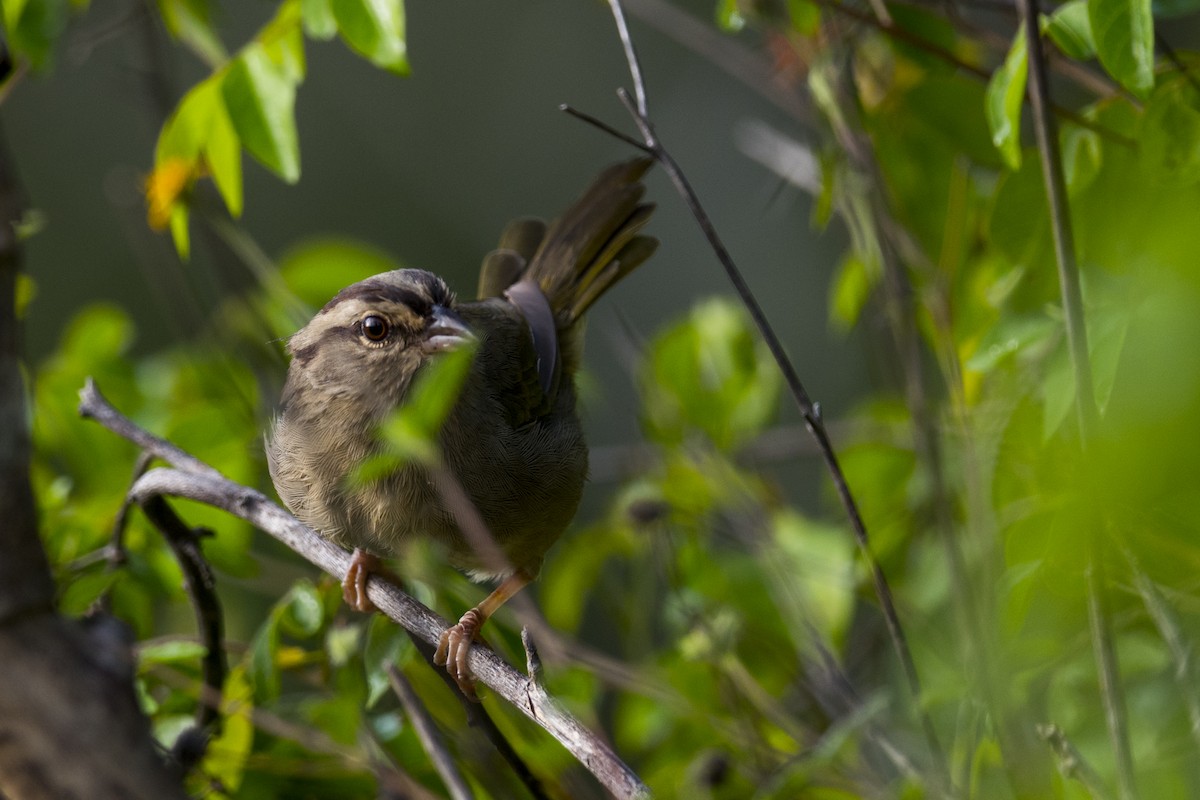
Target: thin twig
{"type": "Point", "coordinates": [197, 481]}
{"type": "Point", "coordinates": [1070, 763]}
{"type": "Point", "coordinates": [200, 586]}
{"type": "Point", "coordinates": [635, 66]}
{"type": "Point", "coordinates": [808, 410]}
{"type": "Point", "coordinates": [116, 546]}
{"type": "Point", "coordinates": [1099, 615]}
{"type": "Point", "coordinates": [431, 738]}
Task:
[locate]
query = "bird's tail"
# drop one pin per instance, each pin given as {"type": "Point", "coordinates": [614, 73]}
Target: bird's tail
{"type": "Point", "coordinates": [581, 254]}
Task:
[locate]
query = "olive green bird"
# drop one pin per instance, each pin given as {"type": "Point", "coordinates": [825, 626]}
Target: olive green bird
{"type": "Point", "coordinates": [513, 439]}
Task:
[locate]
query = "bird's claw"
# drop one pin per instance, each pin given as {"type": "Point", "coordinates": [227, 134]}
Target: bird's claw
{"type": "Point", "coordinates": [354, 587]}
{"type": "Point", "coordinates": [455, 647]}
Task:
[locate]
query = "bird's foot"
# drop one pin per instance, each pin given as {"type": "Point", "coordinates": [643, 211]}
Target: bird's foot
{"type": "Point", "coordinates": [455, 647]}
{"type": "Point", "coordinates": [354, 586]}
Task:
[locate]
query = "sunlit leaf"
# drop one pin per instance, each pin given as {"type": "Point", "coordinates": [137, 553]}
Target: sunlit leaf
{"type": "Point", "coordinates": [260, 97]}
{"type": "Point", "coordinates": [319, 21]}
{"type": "Point", "coordinates": [1005, 95]}
{"type": "Point", "coordinates": [375, 29]}
{"type": "Point", "coordinates": [1124, 36]}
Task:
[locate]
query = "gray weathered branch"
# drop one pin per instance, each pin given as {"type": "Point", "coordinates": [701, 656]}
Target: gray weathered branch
{"type": "Point", "coordinates": [190, 478]}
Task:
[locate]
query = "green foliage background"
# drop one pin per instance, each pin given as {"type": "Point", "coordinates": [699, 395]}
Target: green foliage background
{"type": "Point", "coordinates": [717, 624]}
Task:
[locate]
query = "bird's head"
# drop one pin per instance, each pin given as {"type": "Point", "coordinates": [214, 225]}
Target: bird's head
{"type": "Point", "coordinates": [368, 342]}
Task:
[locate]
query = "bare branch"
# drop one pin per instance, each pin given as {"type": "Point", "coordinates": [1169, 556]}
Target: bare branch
{"type": "Point", "coordinates": [197, 481]}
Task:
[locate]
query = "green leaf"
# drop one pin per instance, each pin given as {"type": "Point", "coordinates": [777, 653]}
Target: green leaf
{"type": "Point", "coordinates": [1005, 94]}
{"type": "Point", "coordinates": [409, 434]}
{"type": "Point", "coordinates": [261, 97]}
{"type": "Point", "coordinates": [190, 21]}
{"type": "Point", "coordinates": [318, 17]}
{"type": "Point", "coordinates": [729, 16]}
{"type": "Point", "coordinates": [283, 40]}
{"type": "Point", "coordinates": [223, 154]}
{"type": "Point", "coordinates": [852, 284]}
{"type": "Point", "coordinates": [1124, 38]}
{"type": "Point", "coordinates": [374, 29]}
{"type": "Point", "coordinates": [225, 759]}
{"type": "Point", "coordinates": [1070, 28]}
{"type": "Point", "coordinates": [179, 231]}
{"type": "Point", "coordinates": [33, 27]}
{"type": "Point", "coordinates": [170, 651]}
{"type": "Point", "coordinates": [317, 270]}
{"type": "Point", "coordinates": [303, 611]}
{"type": "Point", "coordinates": [806, 16]}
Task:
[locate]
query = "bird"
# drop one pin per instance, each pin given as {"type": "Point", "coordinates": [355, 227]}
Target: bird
{"type": "Point", "coordinates": [512, 441]}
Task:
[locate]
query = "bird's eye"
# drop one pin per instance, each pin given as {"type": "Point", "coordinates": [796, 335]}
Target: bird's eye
{"type": "Point", "coordinates": [375, 328]}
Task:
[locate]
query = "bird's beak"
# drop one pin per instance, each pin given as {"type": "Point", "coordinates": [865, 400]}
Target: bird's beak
{"type": "Point", "coordinates": [446, 331]}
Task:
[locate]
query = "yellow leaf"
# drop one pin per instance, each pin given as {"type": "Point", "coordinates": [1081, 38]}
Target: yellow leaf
{"type": "Point", "coordinates": [164, 187]}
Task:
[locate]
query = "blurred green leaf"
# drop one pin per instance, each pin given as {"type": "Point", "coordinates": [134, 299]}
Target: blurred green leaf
{"type": "Point", "coordinates": [319, 21]}
{"type": "Point", "coordinates": [375, 29]}
{"type": "Point", "coordinates": [1070, 28]}
{"type": "Point", "coordinates": [1004, 98]}
{"type": "Point", "coordinates": [260, 97]}
{"type": "Point", "coordinates": [849, 292]}
{"type": "Point", "coordinates": [1124, 37]}
{"type": "Point", "coordinates": [191, 22]}
{"type": "Point", "coordinates": [318, 269]}
{"type": "Point", "coordinates": [170, 651]}
{"type": "Point", "coordinates": [709, 374]}
{"type": "Point", "coordinates": [409, 434]}
{"type": "Point", "coordinates": [226, 757]}
{"type": "Point", "coordinates": [303, 613]}
{"type": "Point", "coordinates": [729, 16]}
{"type": "Point", "coordinates": [33, 27]}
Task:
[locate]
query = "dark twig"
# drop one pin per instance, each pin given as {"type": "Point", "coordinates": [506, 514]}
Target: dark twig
{"type": "Point", "coordinates": [116, 546]}
{"type": "Point", "coordinates": [1099, 615]}
{"type": "Point", "coordinates": [431, 738]}
{"type": "Point", "coordinates": [808, 409]}
{"type": "Point", "coordinates": [197, 481]}
{"type": "Point", "coordinates": [200, 585]}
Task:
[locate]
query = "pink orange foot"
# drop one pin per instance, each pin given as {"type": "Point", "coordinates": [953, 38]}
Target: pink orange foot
{"type": "Point", "coordinates": [455, 646]}
{"type": "Point", "coordinates": [354, 587]}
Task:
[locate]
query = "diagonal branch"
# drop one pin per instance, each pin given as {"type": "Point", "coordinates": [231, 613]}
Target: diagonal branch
{"type": "Point", "coordinates": [192, 479]}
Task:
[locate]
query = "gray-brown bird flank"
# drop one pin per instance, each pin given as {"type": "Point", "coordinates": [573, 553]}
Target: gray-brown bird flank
{"type": "Point", "coordinates": [513, 439]}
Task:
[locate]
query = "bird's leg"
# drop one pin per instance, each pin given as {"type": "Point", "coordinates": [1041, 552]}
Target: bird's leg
{"type": "Point", "coordinates": [354, 587]}
{"type": "Point", "coordinates": [455, 644]}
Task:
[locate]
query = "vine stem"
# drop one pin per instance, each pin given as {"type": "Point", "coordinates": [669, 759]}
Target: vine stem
{"type": "Point", "coordinates": [1099, 613]}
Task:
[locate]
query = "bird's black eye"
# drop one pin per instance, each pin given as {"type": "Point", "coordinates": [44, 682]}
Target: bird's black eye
{"type": "Point", "coordinates": [375, 328]}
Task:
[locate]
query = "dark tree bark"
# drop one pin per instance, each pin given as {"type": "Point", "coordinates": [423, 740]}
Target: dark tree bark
{"type": "Point", "coordinates": [70, 726]}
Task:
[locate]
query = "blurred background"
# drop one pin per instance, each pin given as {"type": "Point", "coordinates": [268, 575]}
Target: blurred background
{"type": "Point", "coordinates": [426, 168]}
